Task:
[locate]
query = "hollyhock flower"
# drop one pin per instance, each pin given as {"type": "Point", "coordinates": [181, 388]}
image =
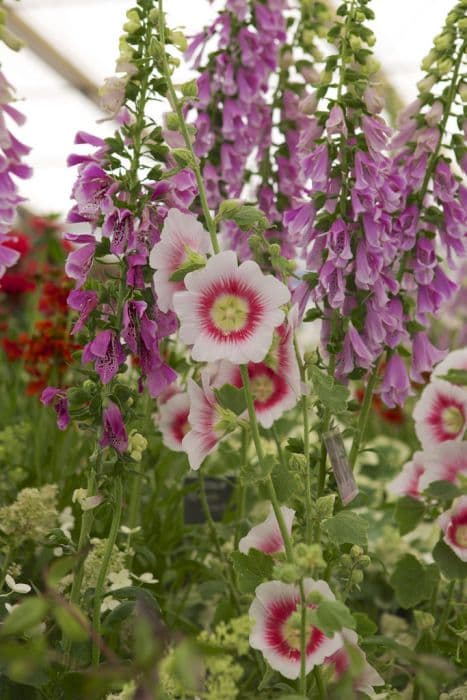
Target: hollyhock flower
{"type": "Point", "coordinates": [407, 482]}
{"type": "Point", "coordinates": [173, 421]}
{"type": "Point", "coordinates": [106, 351]}
{"type": "Point", "coordinates": [454, 526]}
{"type": "Point", "coordinates": [266, 537]}
{"type": "Point", "coordinates": [424, 356]}
{"type": "Point", "coordinates": [457, 359]}
{"type": "Point", "coordinates": [395, 386]}
{"type": "Point", "coordinates": [342, 662]}
{"type": "Point", "coordinates": [230, 310]}
{"type": "Point", "coordinates": [58, 398]}
{"type": "Point", "coordinates": [440, 414]}
{"type": "Point", "coordinates": [182, 236]}
{"type": "Point", "coordinates": [79, 261]}
{"type": "Point", "coordinates": [84, 302]}
{"type": "Point", "coordinates": [114, 432]}
{"type": "Point", "coordinates": [444, 462]}
{"type": "Point", "coordinates": [275, 636]}
{"type": "Point", "coordinates": [204, 418]}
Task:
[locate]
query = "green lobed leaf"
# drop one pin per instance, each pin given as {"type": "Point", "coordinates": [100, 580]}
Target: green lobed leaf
{"type": "Point", "coordinates": [365, 625]}
{"type": "Point", "coordinates": [27, 615]}
{"type": "Point", "coordinates": [449, 564]}
{"type": "Point", "coordinates": [347, 528]}
{"type": "Point", "coordinates": [332, 395]}
{"type": "Point", "coordinates": [410, 581]}
{"type": "Point", "coordinates": [231, 397]}
{"type": "Point", "coordinates": [442, 490]}
{"type": "Point", "coordinates": [408, 513]}
{"type": "Point", "coordinates": [69, 622]}
{"type": "Point", "coordinates": [331, 616]}
{"type": "Point", "coordinates": [251, 569]}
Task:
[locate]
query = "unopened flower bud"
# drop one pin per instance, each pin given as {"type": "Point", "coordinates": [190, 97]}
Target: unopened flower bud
{"type": "Point", "coordinates": [325, 506]}
{"type": "Point", "coordinates": [346, 561]}
{"type": "Point", "coordinates": [364, 561]}
{"type": "Point", "coordinates": [357, 576]}
{"type": "Point", "coordinates": [356, 551]}
{"type": "Point", "coordinates": [423, 620]}
{"type": "Point", "coordinates": [444, 66]}
{"type": "Point", "coordinates": [297, 462]}
{"type": "Point", "coordinates": [190, 89]}
{"type": "Point", "coordinates": [429, 59]}
{"type": "Point", "coordinates": [314, 597]}
{"type": "Point", "coordinates": [288, 573]}
{"type": "Point", "coordinates": [443, 41]}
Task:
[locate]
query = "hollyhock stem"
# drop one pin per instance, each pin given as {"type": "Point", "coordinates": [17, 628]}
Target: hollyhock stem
{"type": "Point", "coordinates": [446, 610]}
{"type": "Point", "coordinates": [241, 496]}
{"type": "Point", "coordinates": [364, 413]}
{"type": "Point", "coordinates": [176, 105]}
{"type": "Point", "coordinates": [117, 512]}
{"type": "Point", "coordinates": [319, 683]}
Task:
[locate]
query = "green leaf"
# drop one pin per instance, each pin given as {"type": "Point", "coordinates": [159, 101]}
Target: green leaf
{"type": "Point", "coordinates": [456, 376]}
{"type": "Point", "coordinates": [27, 615]}
{"type": "Point", "coordinates": [312, 315]}
{"type": "Point", "coordinates": [410, 582]}
{"type": "Point", "coordinates": [260, 472]}
{"type": "Point", "coordinates": [442, 490]}
{"type": "Point", "coordinates": [450, 565]}
{"type": "Point", "coordinates": [408, 513]}
{"type": "Point", "coordinates": [331, 616]}
{"type": "Point", "coordinates": [365, 625]}
{"type": "Point", "coordinates": [194, 262]}
{"type": "Point", "coordinates": [60, 568]}
{"type": "Point", "coordinates": [245, 216]}
{"type": "Point", "coordinates": [251, 569]}
{"type": "Point", "coordinates": [332, 395]}
{"type": "Point", "coordinates": [231, 397]}
{"type": "Point", "coordinates": [347, 528]}
{"type": "Point", "coordinates": [69, 622]}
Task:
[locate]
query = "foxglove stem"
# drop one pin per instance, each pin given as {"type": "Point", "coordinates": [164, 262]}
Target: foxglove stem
{"type": "Point", "coordinates": [134, 502]}
{"type": "Point", "coordinates": [364, 413]}
{"type": "Point", "coordinates": [306, 449]}
{"type": "Point", "coordinates": [324, 453]}
{"type": "Point", "coordinates": [114, 527]}
{"type": "Point", "coordinates": [194, 165]}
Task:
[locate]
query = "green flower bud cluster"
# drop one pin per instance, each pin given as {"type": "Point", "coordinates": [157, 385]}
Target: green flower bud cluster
{"type": "Point", "coordinates": [93, 563]}
{"type": "Point", "coordinates": [232, 635]}
{"type": "Point", "coordinates": [126, 693]}
{"type": "Point", "coordinates": [309, 558]}
{"type": "Point", "coordinates": [31, 516]}
{"type": "Point", "coordinates": [14, 444]}
{"type": "Point", "coordinates": [353, 564]}
{"type": "Point", "coordinates": [286, 572]}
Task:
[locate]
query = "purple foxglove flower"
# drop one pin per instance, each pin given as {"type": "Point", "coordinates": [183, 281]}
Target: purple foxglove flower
{"type": "Point", "coordinates": [316, 166]}
{"type": "Point", "coordinates": [8, 256]}
{"type": "Point", "coordinates": [373, 100]}
{"type": "Point", "coordinates": [355, 353]}
{"type": "Point", "coordinates": [405, 226]}
{"type": "Point", "coordinates": [58, 398]}
{"type": "Point", "coordinates": [339, 244]}
{"type": "Point", "coordinates": [92, 191]}
{"type": "Point", "coordinates": [107, 354]}
{"type": "Point", "coordinates": [205, 137]}
{"type": "Point", "coordinates": [133, 312]}
{"type": "Point", "coordinates": [83, 301]}
{"type": "Point", "coordinates": [79, 261]}
{"type": "Point", "coordinates": [376, 133]}
{"type": "Point", "coordinates": [430, 297]}
{"type": "Point", "coordinates": [335, 123]}
{"type": "Point", "coordinates": [119, 227]}
{"type": "Point", "coordinates": [395, 387]}
{"type": "Point", "coordinates": [114, 432]}
{"type": "Point", "coordinates": [368, 265]}
{"type": "Point", "coordinates": [298, 222]}
{"type": "Point", "coordinates": [183, 189]}
{"type": "Point", "coordinates": [425, 261]}
{"type": "Point", "coordinates": [427, 140]}
{"type": "Point", "coordinates": [332, 281]}
{"type": "Point", "coordinates": [134, 275]}
{"type": "Point", "coordinates": [424, 357]}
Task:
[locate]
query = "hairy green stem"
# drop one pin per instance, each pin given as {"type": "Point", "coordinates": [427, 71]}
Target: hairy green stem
{"type": "Point", "coordinates": [114, 527]}
{"type": "Point", "coordinates": [364, 414]}
{"type": "Point", "coordinates": [446, 610]}
{"type": "Point", "coordinates": [194, 164]}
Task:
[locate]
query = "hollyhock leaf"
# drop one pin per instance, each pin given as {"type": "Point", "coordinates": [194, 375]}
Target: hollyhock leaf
{"type": "Point", "coordinates": [250, 475]}
{"type": "Point", "coordinates": [183, 270]}
{"type": "Point", "coordinates": [331, 616]}
{"type": "Point", "coordinates": [231, 397]}
{"type": "Point", "coordinates": [286, 483]}
{"type": "Point", "coordinates": [449, 564]}
{"type": "Point", "coordinates": [334, 396]}
{"type": "Point", "coordinates": [456, 376]}
{"type": "Point", "coordinates": [408, 571]}
{"type": "Point", "coordinates": [365, 625]}
{"type": "Point", "coordinates": [347, 528]}
{"type": "Point", "coordinates": [442, 490]}
{"type": "Point", "coordinates": [408, 513]}
{"type": "Point", "coordinates": [69, 623]}
{"type": "Point", "coordinates": [295, 445]}
{"type": "Point", "coordinates": [24, 617]}
{"type": "Point", "coordinates": [59, 569]}
{"type": "Point", "coordinates": [246, 217]}
{"type": "Point", "coordinates": [251, 569]}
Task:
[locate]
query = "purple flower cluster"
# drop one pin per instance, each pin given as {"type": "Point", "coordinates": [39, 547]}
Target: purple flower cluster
{"type": "Point", "coordinates": [12, 153]}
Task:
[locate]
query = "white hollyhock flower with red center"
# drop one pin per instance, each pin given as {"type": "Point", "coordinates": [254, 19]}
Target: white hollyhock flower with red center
{"type": "Point", "coordinates": [367, 677]}
{"type": "Point", "coordinates": [173, 420]}
{"type": "Point", "coordinates": [182, 238]}
{"type": "Point", "coordinates": [440, 414]}
{"type": "Point", "coordinates": [276, 635]}
{"type": "Point", "coordinates": [407, 482]}
{"type": "Point", "coordinates": [230, 311]}
{"type": "Point", "coordinates": [457, 359]}
{"type": "Point", "coordinates": [267, 536]}
{"type": "Point", "coordinates": [454, 525]}
{"type": "Point", "coordinates": [446, 462]}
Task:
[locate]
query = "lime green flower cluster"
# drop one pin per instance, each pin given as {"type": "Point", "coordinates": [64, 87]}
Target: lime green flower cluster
{"type": "Point", "coordinates": [126, 693]}
{"type": "Point", "coordinates": [31, 516]}
{"type": "Point", "coordinates": [223, 673]}
{"type": "Point", "coordinates": [231, 636]}
{"type": "Point", "coordinates": [168, 676]}
{"type": "Point", "coordinates": [15, 441]}
{"type": "Point", "coordinates": [94, 560]}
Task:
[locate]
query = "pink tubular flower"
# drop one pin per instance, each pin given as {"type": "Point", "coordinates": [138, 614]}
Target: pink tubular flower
{"type": "Point", "coordinates": [445, 462]}
{"type": "Point", "coordinates": [84, 302]}
{"type": "Point", "coordinates": [114, 431]}
{"type": "Point", "coordinates": [58, 398]}
{"type": "Point", "coordinates": [424, 356]}
{"type": "Point", "coordinates": [173, 421]}
{"type": "Point", "coordinates": [342, 662]}
{"type": "Point", "coordinates": [203, 418]}
{"type": "Point", "coordinates": [275, 636]}
{"type": "Point", "coordinates": [407, 482]}
{"type": "Point", "coordinates": [230, 311]}
{"type": "Point", "coordinates": [440, 414]}
{"type": "Point", "coordinates": [80, 261]}
{"type": "Point", "coordinates": [181, 235]}
{"type": "Point", "coordinates": [454, 525]}
{"type": "Point", "coordinates": [106, 351]}
{"type": "Point", "coordinates": [396, 385]}
{"type": "Point", "coordinates": [267, 535]}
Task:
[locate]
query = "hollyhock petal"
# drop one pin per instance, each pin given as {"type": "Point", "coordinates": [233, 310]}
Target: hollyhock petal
{"type": "Point", "coordinates": [274, 604]}
{"type": "Point", "coordinates": [444, 462]}
{"type": "Point", "coordinates": [407, 482]}
{"type": "Point", "coordinates": [342, 661]}
{"type": "Point", "coordinates": [173, 421]}
{"type": "Point", "coordinates": [203, 437]}
{"type": "Point", "coordinates": [114, 431]}
{"type": "Point", "coordinates": [454, 526]}
{"type": "Point", "coordinates": [457, 359]}
{"type": "Point", "coordinates": [440, 414]}
{"type": "Point", "coordinates": [230, 311]}
{"type": "Point", "coordinates": [267, 537]}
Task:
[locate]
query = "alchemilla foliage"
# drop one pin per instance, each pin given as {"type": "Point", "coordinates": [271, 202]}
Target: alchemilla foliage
{"type": "Point", "coordinates": [246, 476]}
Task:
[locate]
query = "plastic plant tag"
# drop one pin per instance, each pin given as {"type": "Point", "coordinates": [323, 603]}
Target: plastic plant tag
{"type": "Point", "coordinates": [345, 481]}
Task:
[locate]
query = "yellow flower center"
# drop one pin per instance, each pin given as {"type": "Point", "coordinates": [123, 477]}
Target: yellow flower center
{"type": "Point", "coordinates": [229, 313]}
{"type": "Point", "coordinates": [461, 536]}
{"type": "Point", "coordinates": [292, 635]}
{"type": "Point", "coordinates": [262, 387]}
{"type": "Point", "coordinates": [453, 419]}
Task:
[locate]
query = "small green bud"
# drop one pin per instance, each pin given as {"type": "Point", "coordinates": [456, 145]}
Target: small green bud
{"type": "Point", "coordinates": [325, 506]}
{"type": "Point", "coordinates": [423, 620]}
{"type": "Point", "coordinates": [364, 561]}
{"type": "Point", "coordinates": [228, 420]}
{"type": "Point", "coordinates": [154, 16]}
{"type": "Point", "coordinates": [179, 40]}
{"type": "Point", "coordinates": [355, 42]}
{"type": "Point", "coordinates": [274, 250]}
{"type": "Point", "coordinates": [444, 66]}
{"type": "Point", "coordinates": [359, 16]}
{"type": "Point", "coordinates": [89, 386]}
{"type": "Point", "coordinates": [346, 561]}
{"type": "Point", "coordinates": [190, 89]}
{"type": "Point", "coordinates": [443, 41]}
{"type": "Point", "coordinates": [356, 551]}
{"type": "Point", "coordinates": [10, 39]}
{"type": "Point", "coordinates": [309, 557]}
{"type": "Point", "coordinates": [182, 156]}
{"type": "Point", "coordinates": [288, 573]}
{"type": "Point", "coordinates": [429, 59]}
{"type": "Point", "coordinates": [156, 50]}
{"type": "Point", "coordinates": [357, 576]}
{"type": "Point", "coordinates": [463, 92]}
{"type": "Point", "coordinates": [172, 121]}
{"type": "Point", "coordinates": [314, 597]}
